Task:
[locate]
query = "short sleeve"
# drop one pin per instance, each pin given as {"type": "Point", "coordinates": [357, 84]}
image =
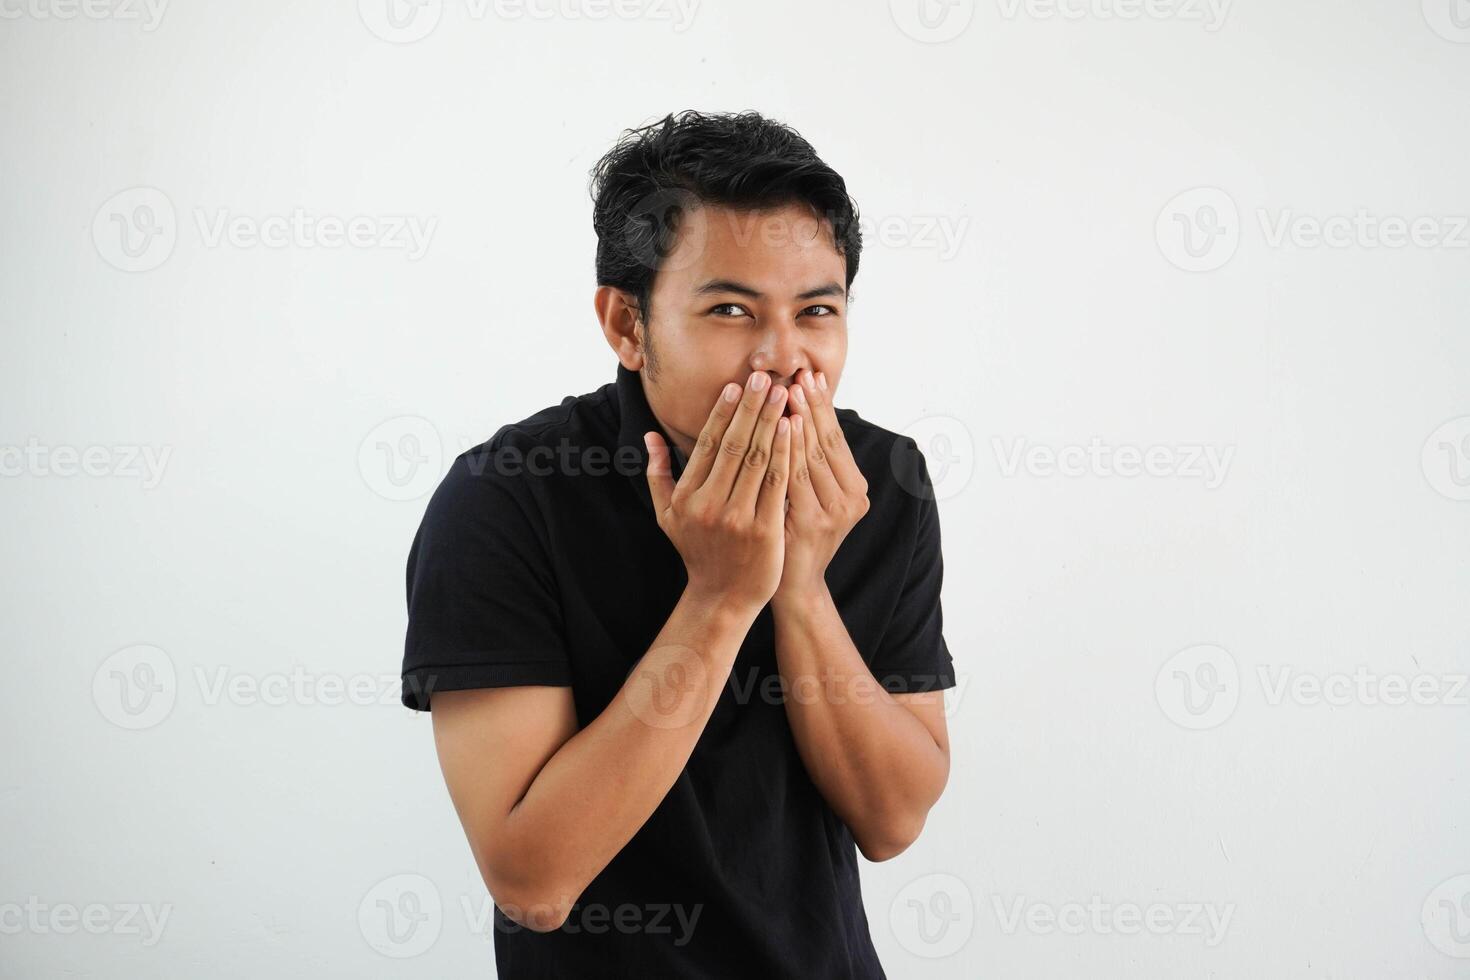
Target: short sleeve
{"type": "Point", "coordinates": [912, 655]}
{"type": "Point", "coordinates": [482, 600]}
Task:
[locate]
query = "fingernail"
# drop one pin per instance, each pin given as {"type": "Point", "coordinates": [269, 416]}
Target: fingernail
{"type": "Point", "coordinates": [732, 391]}
{"type": "Point", "coordinates": [781, 426]}
{"type": "Point", "coordinates": [759, 380]}
{"type": "Point", "coordinates": [798, 395]}
{"type": "Point", "coordinates": [808, 380]}
{"type": "Point", "coordinates": [822, 379]}
{"type": "Point", "coordinates": [775, 395]}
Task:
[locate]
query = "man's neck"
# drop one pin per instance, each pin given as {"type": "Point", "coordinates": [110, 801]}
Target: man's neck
{"type": "Point", "coordinates": [681, 453]}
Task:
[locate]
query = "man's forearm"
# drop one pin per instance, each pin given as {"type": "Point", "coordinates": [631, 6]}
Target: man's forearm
{"type": "Point", "coordinates": [877, 765]}
{"type": "Point", "coordinates": [604, 782]}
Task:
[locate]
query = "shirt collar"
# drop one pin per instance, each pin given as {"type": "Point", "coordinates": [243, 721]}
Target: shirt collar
{"type": "Point", "coordinates": [634, 419]}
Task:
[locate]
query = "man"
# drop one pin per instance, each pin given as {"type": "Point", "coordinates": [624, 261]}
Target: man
{"type": "Point", "coordinates": [681, 636]}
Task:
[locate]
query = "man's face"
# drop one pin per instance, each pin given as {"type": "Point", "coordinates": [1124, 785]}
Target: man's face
{"type": "Point", "coordinates": [742, 291]}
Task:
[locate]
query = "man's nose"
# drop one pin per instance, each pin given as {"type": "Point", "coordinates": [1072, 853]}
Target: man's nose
{"type": "Point", "coordinates": [779, 354]}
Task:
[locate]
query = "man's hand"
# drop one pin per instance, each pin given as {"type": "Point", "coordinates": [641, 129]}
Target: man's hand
{"type": "Point", "coordinates": [725, 515]}
{"type": "Point", "coordinates": [827, 491]}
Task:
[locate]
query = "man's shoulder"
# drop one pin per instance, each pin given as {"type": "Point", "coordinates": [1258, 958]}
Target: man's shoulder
{"type": "Point", "coordinates": [872, 444]}
{"type": "Point", "coordinates": [582, 420]}
{"type": "Point", "coordinates": [864, 434]}
{"type": "Point", "coordinates": [891, 462]}
{"type": "Point", "coordinates": [505, 462]}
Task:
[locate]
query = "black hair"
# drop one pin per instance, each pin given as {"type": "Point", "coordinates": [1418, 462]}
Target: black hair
{"type": "Point", "coordinates": [642, 186]}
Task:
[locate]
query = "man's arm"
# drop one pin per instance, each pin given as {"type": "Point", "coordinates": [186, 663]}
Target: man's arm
{"type": "Point", "coordinates": [881, 760]}
{"type": "Point", "coordinates": [545, 806]}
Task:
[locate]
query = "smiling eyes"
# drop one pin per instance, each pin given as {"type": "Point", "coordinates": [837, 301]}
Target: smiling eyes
{"type": "Point", "coordinates": [822, 310]}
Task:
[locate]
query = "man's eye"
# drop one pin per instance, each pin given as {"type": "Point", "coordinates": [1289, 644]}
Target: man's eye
{"type": "Point", "coordinates": [735, 309]}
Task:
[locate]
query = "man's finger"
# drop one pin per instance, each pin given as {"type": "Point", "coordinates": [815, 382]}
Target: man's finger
{"type": "Point", "coordinates": [772, 503]}
{"type": "Point", "coordinates": [799, 484]}
{"type": "Point", "coordinates": [730, 455]}
{"type": "Point", "coordinates": [660, 476]}
{"type": "Point", "coordinates": [828, 433]}
{"type": "Point", "coordinates": [823, 483]}
{"type": "Point", "coordinates": [702, 459]}
{"type": "Point", "coordinates": [758, 456]}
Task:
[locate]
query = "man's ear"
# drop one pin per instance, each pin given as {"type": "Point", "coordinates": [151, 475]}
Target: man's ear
{"type": "Point", "coordinates": [622, 325]}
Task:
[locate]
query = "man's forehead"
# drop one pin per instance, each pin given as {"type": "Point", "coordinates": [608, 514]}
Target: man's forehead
{"type": "Point", "coordinates": [791, 226]}
{"type": "Point", "coordinates": [775, 250]}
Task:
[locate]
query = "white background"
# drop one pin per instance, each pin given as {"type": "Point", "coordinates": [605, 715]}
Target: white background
{"type": "Point", "coordinates": [1053, 144]}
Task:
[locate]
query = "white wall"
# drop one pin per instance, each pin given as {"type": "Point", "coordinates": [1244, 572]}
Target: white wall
{"type": "Point", "coordinates": [1331, 537]}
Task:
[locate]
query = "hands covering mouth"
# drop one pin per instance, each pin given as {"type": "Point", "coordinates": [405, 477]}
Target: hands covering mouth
{"type": "Point", "coordinates": [764, 502]}
{"type": "Point", "coordinates": [788, 409]}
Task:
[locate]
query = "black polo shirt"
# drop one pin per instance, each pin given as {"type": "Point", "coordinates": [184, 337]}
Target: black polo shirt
{"type": "Point", "coordinates": [539, 561]}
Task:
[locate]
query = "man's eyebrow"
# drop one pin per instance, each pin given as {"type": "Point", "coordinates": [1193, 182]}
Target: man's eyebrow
{"type": "Point", "coordinates": [731, 286]}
